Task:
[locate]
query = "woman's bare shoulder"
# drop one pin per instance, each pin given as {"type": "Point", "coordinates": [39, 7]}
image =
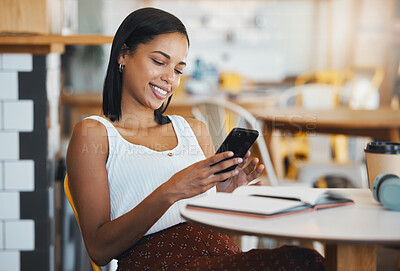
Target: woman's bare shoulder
{"type": "Point", "coordinates": [88, 135]}
{"type": "Point", "coordinates": [89, 128]}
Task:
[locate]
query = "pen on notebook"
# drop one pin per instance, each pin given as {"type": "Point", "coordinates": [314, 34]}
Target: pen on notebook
{"type": "Point", "coordinates": [276, 197]}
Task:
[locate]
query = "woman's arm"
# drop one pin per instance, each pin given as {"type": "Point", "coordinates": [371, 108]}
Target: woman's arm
{"type": "Point", "coordinates": [86, 160]}
{"type": "Point", "coordinates": [86, 166]}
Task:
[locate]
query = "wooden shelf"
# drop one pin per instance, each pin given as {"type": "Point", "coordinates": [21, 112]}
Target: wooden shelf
{"type": "Point", "coordinates": [45, 44]}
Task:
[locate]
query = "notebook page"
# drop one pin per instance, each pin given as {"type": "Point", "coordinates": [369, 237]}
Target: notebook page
{"type": "Point", "coordinates": [244, 203]}
{"type": "Point", "coordinates": [304, 194]}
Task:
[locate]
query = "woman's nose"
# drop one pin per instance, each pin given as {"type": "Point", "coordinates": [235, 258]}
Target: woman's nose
{"type": "Point", "coordinates": [168, 76]}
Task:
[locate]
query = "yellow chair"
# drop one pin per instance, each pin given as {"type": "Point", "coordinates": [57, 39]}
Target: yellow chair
{"type": "Point", "coordinates": [71, 202]}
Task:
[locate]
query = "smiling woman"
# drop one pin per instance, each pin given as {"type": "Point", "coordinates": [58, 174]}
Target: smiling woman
{"type": "Point", "coordinates": [153, 68]}
{"type": "Point", "coordinates": [128, 195]}
{"type": "Point", "coordinates": [134, 31]}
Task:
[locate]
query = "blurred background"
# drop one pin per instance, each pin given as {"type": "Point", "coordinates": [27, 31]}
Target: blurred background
{"type": "Point", "coordinates": [250, 52]}
{"type": "Point", "coordinates": [263, 41]}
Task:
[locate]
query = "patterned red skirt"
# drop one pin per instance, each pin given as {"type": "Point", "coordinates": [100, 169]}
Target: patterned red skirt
{"type": "Point", "coordinates": [192, 247]}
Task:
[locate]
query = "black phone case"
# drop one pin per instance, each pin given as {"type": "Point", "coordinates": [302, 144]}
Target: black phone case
{"type": "Point", "coordinates": [239, 142]}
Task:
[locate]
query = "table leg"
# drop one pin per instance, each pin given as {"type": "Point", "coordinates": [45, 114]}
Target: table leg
{"type": "Point", "coordinates": [350, 257]}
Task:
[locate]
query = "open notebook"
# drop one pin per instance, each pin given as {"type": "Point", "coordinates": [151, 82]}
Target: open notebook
{"type": "Point", "coordinates": [267, 201]}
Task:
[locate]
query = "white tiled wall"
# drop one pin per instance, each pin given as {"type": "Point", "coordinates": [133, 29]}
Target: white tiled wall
{"type": "Point", "coordinates": [1, 236]}
{"type": "Point", "coordinates": [10, 260]}
{"type": "Point", "coordinates": [1, 116]}
{"type": "Point", "coordinates": [1, 176]}
{"type": "Point", "coordinates": [18, 115]}
{"type": "Point", "coordinates": [17, 62]}
{"type": "Point", "coordinates": [20, 235]}
{"type": "Point", "coordinates": [9, 85]}
{"type": "Point", "coordinates": [9, 145]}
{"type": "Point", "coordinates": [16, 175]}
{"type": "Point", "coordinates": [19, 175]}
{"type": "Point", "coordinates": [9, 205]}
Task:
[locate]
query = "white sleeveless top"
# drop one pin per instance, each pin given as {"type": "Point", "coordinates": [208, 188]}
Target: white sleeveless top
{"type": "Point", "coordinates": [135, 171]}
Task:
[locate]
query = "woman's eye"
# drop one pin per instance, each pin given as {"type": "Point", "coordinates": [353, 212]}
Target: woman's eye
{"type": "Point", "coordinates": [178, 71]}
{"type": "Point", "coordinates": [157, 62]}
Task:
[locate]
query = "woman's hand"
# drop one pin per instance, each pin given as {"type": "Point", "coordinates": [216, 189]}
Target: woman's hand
{"type": "Point", "coordinates": [200, 177]}
{"type": "Point", "coordinates": [245, 175]}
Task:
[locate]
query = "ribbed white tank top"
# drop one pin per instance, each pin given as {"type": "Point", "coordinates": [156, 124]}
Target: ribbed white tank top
{"type": "Point", "coordinates": [134, 171]}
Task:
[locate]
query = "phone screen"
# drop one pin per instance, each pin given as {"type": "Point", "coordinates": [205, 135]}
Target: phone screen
{"type": "Point", "coordinates": [239, 142]}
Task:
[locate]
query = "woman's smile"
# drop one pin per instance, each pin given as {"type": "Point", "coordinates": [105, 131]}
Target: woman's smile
{"type": "Point", "coordinates": [159, 92]}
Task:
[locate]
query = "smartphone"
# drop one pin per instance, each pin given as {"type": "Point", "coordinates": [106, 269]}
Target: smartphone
{"type": "Point", "coordinates": [239, 142]}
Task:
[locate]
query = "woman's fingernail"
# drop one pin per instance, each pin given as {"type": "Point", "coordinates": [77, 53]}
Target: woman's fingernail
{"type": "Point", "coordinates": [230, 153]}
{"type": "Point", "coordinates": [236, 172]}
{"type": "Point", "coordinates": [240, 160]}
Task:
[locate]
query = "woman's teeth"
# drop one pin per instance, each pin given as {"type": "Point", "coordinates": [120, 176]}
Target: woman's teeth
{"type": "Point", "coordinates": [159, 90]}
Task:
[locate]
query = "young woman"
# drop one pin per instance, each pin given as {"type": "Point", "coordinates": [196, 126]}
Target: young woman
{"type": "Point", "coordinates": [132, 168]}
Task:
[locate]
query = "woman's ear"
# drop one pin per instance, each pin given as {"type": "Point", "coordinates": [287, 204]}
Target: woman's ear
{"type": "Point", "coordinates": [122, 60]}
{"type": "Point", "coordinates": [122, 55]}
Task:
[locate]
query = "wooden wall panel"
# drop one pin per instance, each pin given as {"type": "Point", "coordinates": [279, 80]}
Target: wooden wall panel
{"type": "Point", "coordinates": [31, 16]}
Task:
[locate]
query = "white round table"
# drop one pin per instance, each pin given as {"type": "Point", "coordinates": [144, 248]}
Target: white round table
{"type": "Point", "coordinates": [351, 233]}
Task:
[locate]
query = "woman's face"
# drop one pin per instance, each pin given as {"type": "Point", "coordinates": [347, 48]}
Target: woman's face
{"type": "Point", "coordinates": [153, 71]}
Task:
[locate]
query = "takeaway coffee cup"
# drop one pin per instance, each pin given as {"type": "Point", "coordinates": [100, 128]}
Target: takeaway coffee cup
{"type": "Point", "coordinates": [382, 157]}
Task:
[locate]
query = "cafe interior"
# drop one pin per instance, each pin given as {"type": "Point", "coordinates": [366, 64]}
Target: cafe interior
{"type": "Point", "coordinates": [319, 80]}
